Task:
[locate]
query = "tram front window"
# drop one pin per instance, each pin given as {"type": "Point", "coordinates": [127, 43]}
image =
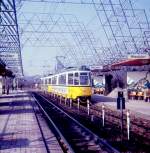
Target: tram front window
{"type": "Point", "coordinates": [84, 79]}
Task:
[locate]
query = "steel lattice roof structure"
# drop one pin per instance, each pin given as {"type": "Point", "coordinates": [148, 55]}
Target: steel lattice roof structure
{"type": "Point", "coordinates": [115, 29]}
{"type": "Point", "coordinates": [10, 50]}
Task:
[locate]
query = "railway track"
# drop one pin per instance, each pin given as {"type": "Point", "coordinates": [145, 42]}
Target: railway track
{"type": "Point", "coordinates": [139, 126]}
{"type": "Point", "coordinates": [76, 137]}
{"type": "Point", "coordinates": [139, 130]}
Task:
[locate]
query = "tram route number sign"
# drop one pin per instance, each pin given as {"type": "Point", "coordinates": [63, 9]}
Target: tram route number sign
{"type": "Point", "coordinates": [120, 101]}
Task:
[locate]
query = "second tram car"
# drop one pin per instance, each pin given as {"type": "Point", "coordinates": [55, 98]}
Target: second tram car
{"type": "Point", "coordinates": [70, 84]}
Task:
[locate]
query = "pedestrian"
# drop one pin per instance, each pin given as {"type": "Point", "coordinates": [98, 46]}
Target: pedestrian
{"type": "Point", "coordinates": [147, 91]}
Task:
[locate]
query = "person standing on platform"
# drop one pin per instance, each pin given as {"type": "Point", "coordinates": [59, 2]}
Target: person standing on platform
{"type": "Point", "coordinates": [7, 89]}
{"type": "Point", "coordinates": [147, 91]}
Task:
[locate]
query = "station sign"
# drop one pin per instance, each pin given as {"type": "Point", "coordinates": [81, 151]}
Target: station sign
{"type": "Point", "coordinates": [98, 67]}
{"type": "Point", "coordinates": [138, 56]}
{"type": "Point", "coordinates": [10, 56]}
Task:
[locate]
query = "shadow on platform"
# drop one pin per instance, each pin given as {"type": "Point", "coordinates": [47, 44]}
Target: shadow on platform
{"type": "Point", "coordinates": [16, 103]}
{"type": "Point", "coordinates": [7, 134]}
{"type": "Point", "coordinates": [16, 111]}
{"type": "Point", "coordinates": [13, 143]}
{"type": "Point", "coordinates": [100, 98]}
{"type": "Point", "coordinates": [14, 96]}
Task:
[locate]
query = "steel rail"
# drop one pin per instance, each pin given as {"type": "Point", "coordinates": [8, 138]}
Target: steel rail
{"type": "Point", "coordinates": [57, 131]}
{"type": "Point", "coordinates": [100, 140]}
{"type": "Point", "coordinates": [43, 137]}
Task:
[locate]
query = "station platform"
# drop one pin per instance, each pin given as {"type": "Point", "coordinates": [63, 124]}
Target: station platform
{"type": "Point", "coordinates": [19, 128]}
{"type": "Point", "coordinates": [139, 107]}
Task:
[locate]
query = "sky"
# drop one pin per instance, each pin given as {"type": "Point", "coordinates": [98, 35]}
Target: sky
{"type": "Point", "coordinates": [44, 34]}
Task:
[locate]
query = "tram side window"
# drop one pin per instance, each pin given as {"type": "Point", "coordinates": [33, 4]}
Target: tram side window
{"type": "Point", "coordinates": [84, 79]}
{"type": "Point", "coordinates": [62, 79]}
{"type": "Point", "coordinates": [42, 81]}
{"type": "Point", "coordinates": [54, 80]}
{"type": "Point", "coordinates": [50, 81]}
{"type": "Point", "coordinates": [70, 78]}
{"type": "Point", "coordinates": [76, 78]}
{"type": "Point", "coordinates": [45, 81]}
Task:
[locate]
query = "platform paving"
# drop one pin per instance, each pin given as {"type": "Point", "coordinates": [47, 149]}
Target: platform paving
{"type": "Point", "coordinates": [140, 107]}
{"type": "Point", "coordinates": [19, 131]}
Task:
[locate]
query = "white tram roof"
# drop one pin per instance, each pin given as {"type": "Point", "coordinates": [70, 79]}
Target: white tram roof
{"type": "Point", "coordinates": [67, 71]}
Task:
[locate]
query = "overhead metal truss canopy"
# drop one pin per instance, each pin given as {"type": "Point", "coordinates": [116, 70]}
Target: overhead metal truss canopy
{"type": "Point", "coordinates": [59, 30]}
{"type": "Point", "coordinates": [126, 30]}
{"type": "Point", "coordinates": [10, 50]}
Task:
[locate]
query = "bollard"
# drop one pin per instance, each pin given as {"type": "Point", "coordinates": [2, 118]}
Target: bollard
{"type": "Point", "coordinates": [88, 107]}
{"type": "Point", "coordinates": [103, 115]}
{"type": "Point", "coordinates": [78, 104]}
{"type": "Point", "coordinates": [92, 118]}
{"type": "Point", "coordinates": [70, 103]}
{"type": "Point", "coordinates": [65, 101]}
{"type": "Point", "coordinates": [128, 124]}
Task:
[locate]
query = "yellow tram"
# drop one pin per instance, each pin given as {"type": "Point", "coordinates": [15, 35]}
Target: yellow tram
{"type": "Point", "coordinates": [69, 84]}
